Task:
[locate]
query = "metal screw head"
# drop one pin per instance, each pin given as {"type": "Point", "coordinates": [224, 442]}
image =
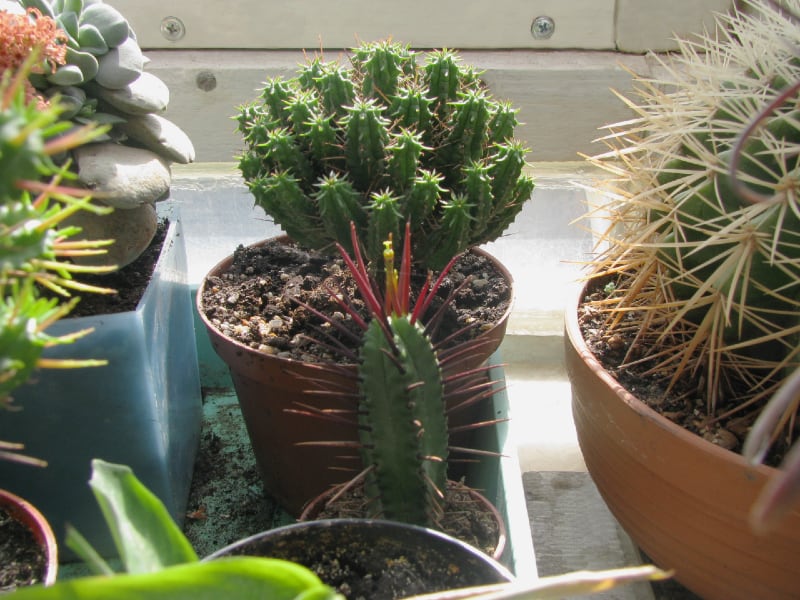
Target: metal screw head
{"type": "Point", "coordinates": [172, 28]}
{"type": "Point", "coordinates": [543, 27]}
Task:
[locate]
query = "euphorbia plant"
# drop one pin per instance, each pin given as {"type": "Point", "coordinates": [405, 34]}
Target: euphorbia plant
{"type": "Point", "coordinates": [383, 142]}
{"type": "Point", "coordinates": [406, 389]}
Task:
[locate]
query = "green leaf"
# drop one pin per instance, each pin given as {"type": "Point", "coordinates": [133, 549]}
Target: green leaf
{"type": "Point", "coordinates": [68, 21]}
{"type": "Point", "coordinates": [85, 61]}
{"type": "Point", "coordinates": [107, 118]}
{"type": "Point", "coordinates": [81, 546]}
{"type": "Point", "coordinates": [144, 533]}
{"type": "Point", "coordinates": [75, 6]}
{"type": "Point", "coordinates": [240, 577]}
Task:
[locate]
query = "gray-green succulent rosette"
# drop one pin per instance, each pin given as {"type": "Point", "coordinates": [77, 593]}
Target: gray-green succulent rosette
{"type": "Point", "coordinates": [104, 81]}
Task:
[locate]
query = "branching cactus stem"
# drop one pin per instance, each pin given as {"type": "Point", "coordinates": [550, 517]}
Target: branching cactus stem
{"type": "Point", "coordinates": [426, 145]}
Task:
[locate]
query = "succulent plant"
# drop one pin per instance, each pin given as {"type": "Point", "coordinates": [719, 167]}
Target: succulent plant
{"type": "Point", "coordinates": [406, 389]}
{"type": "Point", "coordinates": [703, 248]}
{"type": "Point", "coordinates": [34, 245]}
{"type": "Point", "coordinates": [385, 141]}
{"type": "Point", "coordinates": [100, 47]}
{"type": "Point", "coordinates": [101, 80]}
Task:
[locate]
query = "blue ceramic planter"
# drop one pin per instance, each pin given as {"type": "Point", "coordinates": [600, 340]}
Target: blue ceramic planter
{"type": "Point", "coordinates": [143, 409]}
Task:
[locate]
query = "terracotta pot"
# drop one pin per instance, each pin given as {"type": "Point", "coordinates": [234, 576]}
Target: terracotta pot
{"type": "Point", "coordinates": [266, 386]}
{"type": "Point", "coordinates": [358, 543]}
{"type": "Point", "coordinates": [24, 512]}
{"type": "Point", "coordinates": [313, 509]}
{"type": "Point", "coordinates": [682, 499]}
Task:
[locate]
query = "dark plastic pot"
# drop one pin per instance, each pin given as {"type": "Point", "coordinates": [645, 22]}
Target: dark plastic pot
{"type": "Point", "coordinates": [27, 514]}
{"type": "Point", "coordinates": [266, 386]}
{"type": "Point", "coordinates": [143, 409]}
{"type": "Point", "coordinates": [363, 549]}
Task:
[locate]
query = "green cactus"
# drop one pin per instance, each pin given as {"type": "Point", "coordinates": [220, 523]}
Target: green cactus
{"type": "Point", "coordinates": [705, 239]}
{"type": "Point", "coordinates": [34, 245]}
{"type": "Point", "coordinates": [404, 385]}
{"type": "Point", "coordinates": [406, 137]}
{"type": "Point", "coordinates": [397, 399]}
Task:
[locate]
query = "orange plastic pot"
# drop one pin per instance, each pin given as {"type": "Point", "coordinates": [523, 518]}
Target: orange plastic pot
{"type": "Point", "coordinates": [682, 499]}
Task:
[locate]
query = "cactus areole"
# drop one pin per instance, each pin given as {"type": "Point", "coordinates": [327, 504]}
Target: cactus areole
{"type": "Point", "coordinates": [385, 141]}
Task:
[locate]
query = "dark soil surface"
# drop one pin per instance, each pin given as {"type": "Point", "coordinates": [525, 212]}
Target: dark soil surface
{"type": "Point", "coordinates": [22, 560]}
{"type": "Point", "coordinates": [255, 301]}
{"type": "Point", "coordinates": [130, 282]}
{"type": "Point", "coordinates": [682, 402]}
{"type": "Point", "coordinates": [464, 518]}
{"type": "Point", "coordinates": [374, 560]}
{"type": "Point", "coordinates": [380, 567]}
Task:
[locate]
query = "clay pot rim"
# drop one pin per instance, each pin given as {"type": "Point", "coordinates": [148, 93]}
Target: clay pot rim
{"type": "Point", "coordinates": [575, 337]}
{"type": "Point", "coordinates": [316, 504]}
{"type": "Point", "coordinates": [223, 264]}
{"type": "Point", "coordinates": [27, 514]}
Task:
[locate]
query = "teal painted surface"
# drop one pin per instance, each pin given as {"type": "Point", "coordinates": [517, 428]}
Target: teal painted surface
{"type": "Point", "coordinates": [143, 409]}
{"type": "Point", "coordinates": [214, 372]}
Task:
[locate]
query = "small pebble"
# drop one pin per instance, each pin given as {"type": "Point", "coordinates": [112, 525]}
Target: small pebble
{"type": "Point", "coordinates": [722, 438]}
{"type": "Point", "coordinates": [615, 342]}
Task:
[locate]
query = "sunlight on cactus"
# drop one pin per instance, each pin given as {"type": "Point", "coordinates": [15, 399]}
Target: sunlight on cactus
{"type": "Point", "coordinates": [382, 142]}
{"type": "Point", "coordinates": [712, 274]}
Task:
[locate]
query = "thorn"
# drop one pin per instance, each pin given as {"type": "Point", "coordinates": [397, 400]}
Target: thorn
{"type": "Point", "coordinates": [477, 452]}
